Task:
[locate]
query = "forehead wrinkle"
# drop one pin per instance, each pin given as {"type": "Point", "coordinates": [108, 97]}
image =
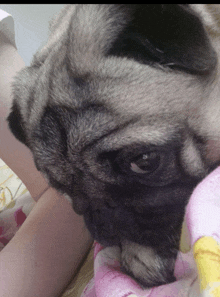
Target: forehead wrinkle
{"type": "Point", "coordinates": [130, 88]}
{"type": "Point", "coordinates": [150, 134]}
{"type": "Point", "coordinates": [93, 124]}
{"type": "Point", "coordinates": [107, 135]}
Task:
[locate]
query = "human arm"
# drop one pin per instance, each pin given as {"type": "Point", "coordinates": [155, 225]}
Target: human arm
{"type": "Point", "coordinates": [42, 257]}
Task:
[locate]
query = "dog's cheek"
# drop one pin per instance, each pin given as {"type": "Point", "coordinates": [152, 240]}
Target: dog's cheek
{"type": "Point", "coordinates": [16, 124]}
{"type": "Point", "coordinates": [50, 145]}
{"type": "Point", "coordinates": [79, 200]}
{"type": "Point", "coordinates": [191, 159]}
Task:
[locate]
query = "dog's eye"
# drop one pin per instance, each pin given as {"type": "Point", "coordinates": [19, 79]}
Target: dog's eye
{"type": "Point", "coordinates": [146, 163]}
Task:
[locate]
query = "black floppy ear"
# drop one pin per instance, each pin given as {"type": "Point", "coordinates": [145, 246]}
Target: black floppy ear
{"type": "Point", "coordinates": [23, 94]}
{"type": "Point", "coordinates": [168, 34]}
{"type": "Point", "coordinates": [16, 124]}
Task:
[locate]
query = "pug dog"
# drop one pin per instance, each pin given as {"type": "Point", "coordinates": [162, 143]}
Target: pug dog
{"type": "Point", "coordinates": [121, 111]}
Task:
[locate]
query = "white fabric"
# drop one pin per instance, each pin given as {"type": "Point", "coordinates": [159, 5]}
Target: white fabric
{"type": "Point", "coordinates": [7, 26]}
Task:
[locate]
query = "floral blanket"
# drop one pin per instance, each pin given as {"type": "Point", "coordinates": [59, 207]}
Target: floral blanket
{"type": "Point", "coordinates": [15, 204]}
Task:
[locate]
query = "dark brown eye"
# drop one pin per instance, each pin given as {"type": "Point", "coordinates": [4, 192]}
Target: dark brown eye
{"type": "Point", "coordinates": [146, 163]}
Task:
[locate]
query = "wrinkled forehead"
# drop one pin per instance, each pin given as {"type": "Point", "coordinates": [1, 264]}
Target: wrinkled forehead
{"type": "Point", "coordinates": [132, 89]}
{"type": "Point", "coordinates": [106, 131]}
{"type": "Point", "coordinates": [161, 133]}
{"type": "Point", "coordinates": [139, 103]}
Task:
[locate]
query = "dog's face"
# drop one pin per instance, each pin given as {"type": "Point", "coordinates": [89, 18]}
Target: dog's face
{"type": "Point", "coordinates": [115, 110]}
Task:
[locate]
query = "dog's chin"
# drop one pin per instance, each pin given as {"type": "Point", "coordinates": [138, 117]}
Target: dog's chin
{"type": "Point", "coordinates": [106, 236]}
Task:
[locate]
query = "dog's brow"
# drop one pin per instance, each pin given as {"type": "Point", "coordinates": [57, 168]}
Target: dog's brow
{"type": "Point", "coordinates": [111, 132]}
{"type": "Point", "coordinates": [147, 135]}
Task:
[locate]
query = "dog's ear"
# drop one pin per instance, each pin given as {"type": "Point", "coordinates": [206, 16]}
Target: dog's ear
{"type": "Point", "coordinates": [16, 124]}
{"type": "Point", "coordinates": [23, 96]}
{"type": "Point", "coordinates": [168, 34]}
{"type": "Point", "coordinates": [58, 27]}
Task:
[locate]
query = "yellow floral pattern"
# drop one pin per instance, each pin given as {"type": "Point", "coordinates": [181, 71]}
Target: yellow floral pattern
{"type": "Point", "coordinates": [10, 187]}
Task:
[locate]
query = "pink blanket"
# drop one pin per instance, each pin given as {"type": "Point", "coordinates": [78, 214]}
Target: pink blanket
{"type": "Point", "coordinates": [109, 281]}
